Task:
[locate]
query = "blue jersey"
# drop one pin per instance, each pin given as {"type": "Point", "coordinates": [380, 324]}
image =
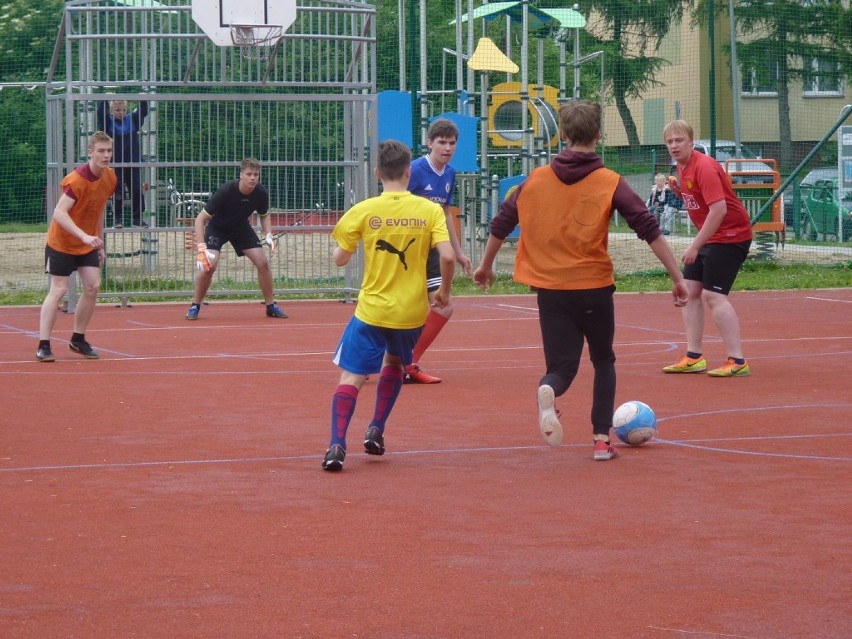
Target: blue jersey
{"type": "Point", "coordinates": [427, 182]}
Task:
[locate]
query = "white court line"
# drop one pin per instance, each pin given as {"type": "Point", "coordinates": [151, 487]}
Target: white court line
{"type": "Point", "coordinates": [702, 633]}
{"type": "Point", "coordinates": [829, 299]}
{"type": "Point", "coordinates": [413, 453]}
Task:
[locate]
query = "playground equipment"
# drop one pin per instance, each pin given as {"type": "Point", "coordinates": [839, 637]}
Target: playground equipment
{"type": "Point", "coordinates": [517, 117]}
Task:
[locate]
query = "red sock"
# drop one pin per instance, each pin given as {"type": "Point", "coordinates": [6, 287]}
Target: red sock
{"type": "Point", "coordinates": [434, 323]}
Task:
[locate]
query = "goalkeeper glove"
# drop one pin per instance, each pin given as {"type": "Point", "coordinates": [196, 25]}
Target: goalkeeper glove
{"type": "Point", "coordinates": [268, 240]}
{"type": "Point", "coordinates": [206, 258]}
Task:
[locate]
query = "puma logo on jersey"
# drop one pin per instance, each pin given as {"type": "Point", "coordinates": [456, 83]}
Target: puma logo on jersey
{"type": "Point", "coordinates": [383, 245]}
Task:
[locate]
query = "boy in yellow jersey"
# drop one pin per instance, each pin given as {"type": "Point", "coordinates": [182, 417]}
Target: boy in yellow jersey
{"type": "Point", "coordinates": [75, 242]}
{"type": "Point", "coordinates": [397, 230]}
{"type": "Point", "coordinates": [564, 210]}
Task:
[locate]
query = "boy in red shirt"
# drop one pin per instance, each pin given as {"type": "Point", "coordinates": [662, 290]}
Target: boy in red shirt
{"type": "Point", "coordinates": [715, 255]}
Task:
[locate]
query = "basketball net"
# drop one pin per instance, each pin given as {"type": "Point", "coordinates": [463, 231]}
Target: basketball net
{"type": "Point", "coordinates": [255, 40]}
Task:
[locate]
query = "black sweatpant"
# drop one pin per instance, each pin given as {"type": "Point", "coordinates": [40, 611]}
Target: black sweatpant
{"type": "Point", "coordinates": [567, 318]}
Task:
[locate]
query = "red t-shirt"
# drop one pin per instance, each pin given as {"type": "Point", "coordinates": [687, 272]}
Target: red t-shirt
{"type": "Point", "coordinates": [703, 182]}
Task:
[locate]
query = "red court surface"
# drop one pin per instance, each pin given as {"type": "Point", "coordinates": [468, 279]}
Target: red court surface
{"type": "Point", "coordinates": [173, 488]}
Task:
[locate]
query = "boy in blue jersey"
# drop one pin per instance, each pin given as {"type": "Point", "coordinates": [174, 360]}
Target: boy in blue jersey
{"type": "Point", "coordinates": [398, 230]}
{"type": "Point", "coordinates": [432, 177]}
{"type": "Point", "coordinates": [124, 127]}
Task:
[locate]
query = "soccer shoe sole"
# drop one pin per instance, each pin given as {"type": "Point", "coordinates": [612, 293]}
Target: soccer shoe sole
{"type": "Point", "coordinates": [548, 422]}
{"type": "Point", "coordinates": [606, 454]}
{"type": "Point", "coordinates": [333, 460]}
{"type": "Point", "coordinates": [374, 445]}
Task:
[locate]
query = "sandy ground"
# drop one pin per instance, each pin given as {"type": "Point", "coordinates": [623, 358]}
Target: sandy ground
{"type": "Point", "coordinates": [137, 257]}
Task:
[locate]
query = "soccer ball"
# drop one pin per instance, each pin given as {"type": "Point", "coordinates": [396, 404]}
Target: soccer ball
{"type": "Point", "coordinates": [634, 423]}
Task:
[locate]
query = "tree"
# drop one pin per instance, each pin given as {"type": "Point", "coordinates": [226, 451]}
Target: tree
{"type": "Point", "coordinates": [788, 40]}
{"type": "Point", "coordinates": [27, 35]}
{"type": "Point", "coordinates": [628, 30]}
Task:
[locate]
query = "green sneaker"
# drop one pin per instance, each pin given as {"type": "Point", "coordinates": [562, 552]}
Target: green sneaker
{"type": "Point", "coordinates": [687, 365]}
{"type": "Point", "coordinates": [730, 369]}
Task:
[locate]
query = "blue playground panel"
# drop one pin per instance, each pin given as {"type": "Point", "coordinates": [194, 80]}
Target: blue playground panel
{"type": "Point", "coordinates": [503, 187]}
{"type": "Point", "coordinates": [394, 117]}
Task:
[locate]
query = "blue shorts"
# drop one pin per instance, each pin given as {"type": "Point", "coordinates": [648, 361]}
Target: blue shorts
{"type": "Point", "coordinates": [363, 346]}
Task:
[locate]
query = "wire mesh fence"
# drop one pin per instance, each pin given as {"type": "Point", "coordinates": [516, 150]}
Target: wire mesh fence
{"type": "Point", "coordinates": [311, 112]}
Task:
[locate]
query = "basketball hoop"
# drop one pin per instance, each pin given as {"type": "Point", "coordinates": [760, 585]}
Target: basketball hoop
{"type": "Point", "coordinates": [255, 40]}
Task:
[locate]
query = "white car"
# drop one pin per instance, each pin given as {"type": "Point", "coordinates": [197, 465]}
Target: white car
{"type": "Point", "coordinates": [726, 150]}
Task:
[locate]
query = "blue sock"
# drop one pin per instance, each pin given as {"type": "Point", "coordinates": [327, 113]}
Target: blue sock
{"type": "Point", "coordinates": [739, 360]}
{"type": "Point", "coordinates": [390, 383]}
{"type": "Point", "coordinates": [342, 409]}
{"type": "Point", "coordinates": [692, 355]}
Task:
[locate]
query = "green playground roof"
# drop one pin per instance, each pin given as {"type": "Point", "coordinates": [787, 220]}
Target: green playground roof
{"type": "Point", "coordinates": [538, 17]}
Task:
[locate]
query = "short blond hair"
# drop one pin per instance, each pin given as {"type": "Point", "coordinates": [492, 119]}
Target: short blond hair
{"type": "Point", "coordinates": [679, 126]}
{"type": "Point", "coordinates": [98, 137]}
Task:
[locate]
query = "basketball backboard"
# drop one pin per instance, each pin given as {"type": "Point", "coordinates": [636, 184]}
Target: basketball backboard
{"type": "Point", "coordinates": [216, 17]}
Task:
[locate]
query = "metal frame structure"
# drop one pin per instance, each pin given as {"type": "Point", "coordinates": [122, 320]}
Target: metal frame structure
{"type": "Point", "coordinates": [305, 113]}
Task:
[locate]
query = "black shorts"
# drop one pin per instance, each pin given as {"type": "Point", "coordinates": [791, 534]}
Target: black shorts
{"type": "Point", "coordinates": [433, 270]}
{"type": "Point", "coordinates": [717, 265]}
{"type": "Point", "coordinates": [241, 238]}
{"type": "Point", "coordinates": [63, 264]}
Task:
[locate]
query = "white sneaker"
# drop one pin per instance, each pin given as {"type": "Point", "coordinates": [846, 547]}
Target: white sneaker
{"type": "Point", "coordinates": [548, 421]}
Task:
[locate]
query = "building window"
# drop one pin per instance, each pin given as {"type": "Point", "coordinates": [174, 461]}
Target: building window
{"type": "Point", "coordinates": [821, 77]}
{"type": "Point", "coordinates": [760, 78]}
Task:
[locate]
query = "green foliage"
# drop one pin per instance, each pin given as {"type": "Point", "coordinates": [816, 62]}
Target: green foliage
{"type": "Point", "coordinates": [629, 31]}
{"type": "Point", "coordinates": [783, 37]}
{"type": "Point", "coordinates": [27, 36]}
{"type": "Point", "coordinates": [22, 130]}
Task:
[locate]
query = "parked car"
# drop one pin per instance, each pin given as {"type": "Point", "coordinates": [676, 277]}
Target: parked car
{"type": "Point", "coordinates": [823, 216]}
{"type": "Point", "coordinates": [726, 150]}
{"type": "Point", "coordinates": [822, 173]}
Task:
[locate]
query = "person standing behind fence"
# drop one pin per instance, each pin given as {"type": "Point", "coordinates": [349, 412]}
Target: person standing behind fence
{"type": "Point", "coordinates": [663, 203]}
{"type": "Point", "coordinates": [714, 257]}
{"type": "Point", "coordinates": [225, 218]}
{"type": "Point", "coordinates": [124, 130]}
{"type": "Point", "coordinates": [75, 243]}
{"type": "Point", "coordinates": [397, 230]}
{"type": "Point", "coordinates": [432, 177]}
{"type": "Point", "coordinates": [565, 210]}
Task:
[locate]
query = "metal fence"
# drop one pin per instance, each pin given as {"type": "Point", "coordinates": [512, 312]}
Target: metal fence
{"type": "Point", "coordinates": [305, 113]}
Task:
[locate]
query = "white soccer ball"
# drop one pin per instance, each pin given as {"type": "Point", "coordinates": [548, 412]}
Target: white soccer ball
{"type": "Point", "coordinates": [634, 423]}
